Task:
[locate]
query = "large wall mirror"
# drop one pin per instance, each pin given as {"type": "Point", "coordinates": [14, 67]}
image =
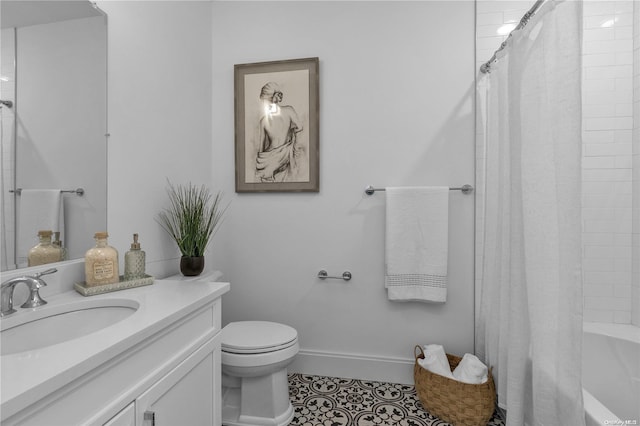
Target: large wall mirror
{"type": "Point", "coordinates": [53, 88]}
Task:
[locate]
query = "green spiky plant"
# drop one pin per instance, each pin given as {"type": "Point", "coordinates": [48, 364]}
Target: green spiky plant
{"type": "Point", "coordinates": [192, 217]}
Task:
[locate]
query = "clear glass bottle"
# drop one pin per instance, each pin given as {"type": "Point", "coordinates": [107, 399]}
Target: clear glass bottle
{"type": "Point", "coordinates": [134, 261]}
{"type": "Point", "coordinates": [44, 252]}
{"type": "Point", "coordinates": [101, 262]}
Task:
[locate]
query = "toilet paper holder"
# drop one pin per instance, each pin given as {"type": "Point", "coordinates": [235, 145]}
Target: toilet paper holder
{"type": "Point", "coordinates": [323, 275]}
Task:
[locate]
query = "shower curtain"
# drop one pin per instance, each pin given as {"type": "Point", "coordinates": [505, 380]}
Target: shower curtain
{"type": "Point", "coordinates": [530, 318]}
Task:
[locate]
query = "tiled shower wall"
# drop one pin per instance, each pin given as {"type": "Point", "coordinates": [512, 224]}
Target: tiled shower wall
{"type": "Point", "coordinates": [635, 275]}
{"type": "Point", "coordinates": [7, 92]}
{"type": "Point", "coordinates": [610, 147]}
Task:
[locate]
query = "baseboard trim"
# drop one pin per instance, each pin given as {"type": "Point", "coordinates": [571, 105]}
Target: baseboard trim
{"type": "Point", "coordinates": [392, 370]}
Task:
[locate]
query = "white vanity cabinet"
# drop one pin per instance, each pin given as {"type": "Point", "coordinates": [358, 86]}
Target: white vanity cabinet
{"type": "Point", "coordinates": [188, 395]}
{"type": "Point", "coordinates": [126, 417]}
{"type": "Point", "coordinates": [165, 374]}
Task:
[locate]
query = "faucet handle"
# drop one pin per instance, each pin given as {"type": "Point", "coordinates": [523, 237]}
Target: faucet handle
{"type": "Point", "coordinates": [46, 272]}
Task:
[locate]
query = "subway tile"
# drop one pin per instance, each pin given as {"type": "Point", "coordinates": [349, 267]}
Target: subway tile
{"type": "Point", "coordinates": [622, 290]}
{"type": "Point", "coordinates": [598, 136]}
{"type": "Point", "coordinates": [597, 21]}
{"type": "Point", "coordinates": [594, 187]}
{"type": "Point", "coordinates": [606, 149]}
{"type": "Point", "coordinates": [612, 200]}
{"type": "Point", "coordinates": [607, 303]}
{"type": "Point", "coordinates": [625, 6]}
{"type": "Point", "coordinates": [608, 72]}
{"type": "Point", "coordinates": [597, 252]}
{"type": "Point", "coordinates": [623, 33]}
{"type": "Point", "coordinates": [598, 315]}
{"type": "Point", "coordinates": [622, 317]}
{"type": "Point", "coordinates": [487, 31]}
{"type": "Point", "coordinates": [595, 8]}
{"type": "Point", "coordinates": [515, 15]}
{"type": "Point", "coordinates": [623, 136]}
{"type": "Point", "coordinates": [598, 162]}
{"type": "Point", "coordinates": [622, 265]}
{"type": "Point", "coordinates": [623, 110]}
{"type": "Point", "coordinates": [491, 43]}
{"type": "Point", "coordinates": [623, 188]}
{"type": "Point", "coordinates": [598, 214]}
{"type": "Point", "coordinates": [623, 58]}
{"type": "Point", "coordinates": [607, 46]}
{"type": "Point", "coordinates": [598, 265]}
{"type": "Point", "coordinates": [600, 238]}
{"type": "Point", "coordinates": [622, 240]}
{"type": "Point", "coordinates": [606, 123]}
{"type": "Point", "coordinates": [600, 84]}
{"type": "Point", "coordinates": [611, 175]}
{"type": "Point", "coordinates": [591, 34]}
{"type": "Point", "coordinates": [606, 226]}
{"type": "Point", "coordinates": [598, 60]}
{"type": "Point", "coordinates": [598, 97]}
{"type": "Point", "coordinates": [598, 290]}
{"type": "Point", "coordinates": [491, 18]}
{"type": "Point", "coordinates": [598, 278]}
{"type": "Point", "coordinates": [624, 253]}
{"type": "Point", "coordinates": [623, 20]}
{"type": "Point", "coordinates": [623, 162]}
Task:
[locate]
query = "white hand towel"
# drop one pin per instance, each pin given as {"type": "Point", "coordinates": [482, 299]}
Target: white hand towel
{"type": "Point", "coordinates": [38, 209]}
{"type": "Point", "coordinates": [471, 370]}
{"type": "Point", "coordinates": [416, 246]}
{"type": "Point", "coordinates": [435, 360]}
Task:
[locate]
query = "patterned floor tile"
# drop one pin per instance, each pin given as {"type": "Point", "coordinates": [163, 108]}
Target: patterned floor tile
{"type": "Point", "coordinates": [333, 401]}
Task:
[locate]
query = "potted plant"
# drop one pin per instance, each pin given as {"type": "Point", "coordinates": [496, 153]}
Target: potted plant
{"type": "Point", "coordinates": [191, 219]}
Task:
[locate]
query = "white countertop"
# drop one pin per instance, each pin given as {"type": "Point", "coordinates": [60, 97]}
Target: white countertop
{"type": "Point", "coordinates": [31, 375]}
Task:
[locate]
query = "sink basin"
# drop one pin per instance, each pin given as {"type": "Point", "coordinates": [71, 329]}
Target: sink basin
{"type": "Point", "coordinates": [51, 324]}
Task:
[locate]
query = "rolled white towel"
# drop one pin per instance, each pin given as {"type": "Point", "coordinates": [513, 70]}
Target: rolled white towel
{"type": "Point", "coordinates": [471, 370]}
{"type": "Point", "coordinates": [435, 360]}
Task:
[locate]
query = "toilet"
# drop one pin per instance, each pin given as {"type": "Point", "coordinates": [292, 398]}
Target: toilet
{"type": "Point", "coordinates": [255, 388]}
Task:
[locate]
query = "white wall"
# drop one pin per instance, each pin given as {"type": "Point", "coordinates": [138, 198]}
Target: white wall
{"type": "Point", "coordinates": [159, 116]}
{"type": "Point", "coordinates": [396, 108]}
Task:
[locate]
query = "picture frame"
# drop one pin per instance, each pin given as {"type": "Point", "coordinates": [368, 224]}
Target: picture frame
{"type": "Point", "coordinates": [277, 126]}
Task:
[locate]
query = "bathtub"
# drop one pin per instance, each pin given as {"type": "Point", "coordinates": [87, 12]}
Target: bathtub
{"type": "Point", "coordinates": [611, 374]}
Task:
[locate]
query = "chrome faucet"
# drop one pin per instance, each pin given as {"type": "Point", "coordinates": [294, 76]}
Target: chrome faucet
{"type": "Point", "coordinates": [35, 283]}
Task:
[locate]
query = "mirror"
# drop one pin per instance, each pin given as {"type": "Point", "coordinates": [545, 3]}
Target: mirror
{"type": "Point", "coordinates": [53, 88]}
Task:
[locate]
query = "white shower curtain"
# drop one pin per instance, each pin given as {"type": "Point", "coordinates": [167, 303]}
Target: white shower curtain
{"type": "Point", "coordinates": [530, 319]}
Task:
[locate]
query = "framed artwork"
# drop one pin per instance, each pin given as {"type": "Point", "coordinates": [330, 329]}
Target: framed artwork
{"type": "Point", "coordinates": [276, 126]}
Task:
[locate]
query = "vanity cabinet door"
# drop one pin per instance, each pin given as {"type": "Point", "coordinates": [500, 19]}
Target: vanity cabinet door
{"type": "Point", "coordinates": [188, 395]}
{"type": "Point", "coordinates": [126, 417]}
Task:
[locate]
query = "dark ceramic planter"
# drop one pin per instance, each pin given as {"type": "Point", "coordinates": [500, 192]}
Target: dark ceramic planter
{"type": "Point", "coordinates": [191, 266]}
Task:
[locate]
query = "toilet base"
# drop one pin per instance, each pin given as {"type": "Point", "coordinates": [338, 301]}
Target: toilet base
{"type": "Point", "coordinates": [256, 401]}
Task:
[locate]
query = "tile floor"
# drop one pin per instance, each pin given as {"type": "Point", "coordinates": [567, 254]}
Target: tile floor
{"type": "Point", "coordinates": [332, 401]}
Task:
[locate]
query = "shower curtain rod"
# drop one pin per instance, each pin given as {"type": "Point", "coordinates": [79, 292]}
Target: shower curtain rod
{"type": "Point", "coordinates": [486, 67]}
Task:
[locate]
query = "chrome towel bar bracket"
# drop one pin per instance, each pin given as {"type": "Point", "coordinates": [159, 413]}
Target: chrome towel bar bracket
{"type": "Point", "coordinates": [466, 189]}
{"type": "Point", "coordinates": [323, 275]}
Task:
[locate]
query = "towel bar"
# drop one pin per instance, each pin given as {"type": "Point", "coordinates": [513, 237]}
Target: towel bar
{"type": "Point", "coordinates": [323, 275]}
{"type": "Point", "coordinates": [78, 191]}
{"type": "Point", "coordinates": [466, 189]}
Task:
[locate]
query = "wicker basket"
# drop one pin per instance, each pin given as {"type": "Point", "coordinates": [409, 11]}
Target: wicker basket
{"type": "Point", "coordinates": [453, 401]}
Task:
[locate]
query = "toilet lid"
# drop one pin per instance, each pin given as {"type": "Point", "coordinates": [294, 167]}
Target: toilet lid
{"type": "Point", "coordinates": [257, 336]}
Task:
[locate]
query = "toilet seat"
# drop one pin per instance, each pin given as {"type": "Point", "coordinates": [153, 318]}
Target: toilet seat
{"type": "Point", "coordinates": [257, 337]}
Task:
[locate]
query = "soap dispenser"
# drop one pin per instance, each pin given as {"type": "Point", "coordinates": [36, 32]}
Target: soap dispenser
{"type": "Point", "coordinates": [134, 261]}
